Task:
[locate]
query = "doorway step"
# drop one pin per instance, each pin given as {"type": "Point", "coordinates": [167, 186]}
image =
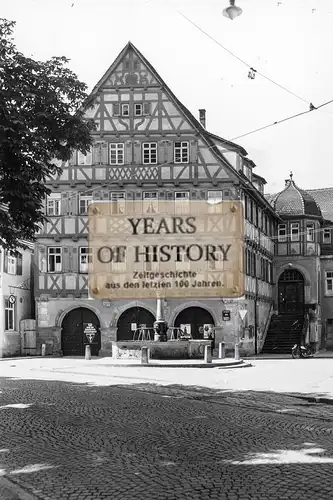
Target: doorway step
{"type": "Point", "coordinates": [284, 331]}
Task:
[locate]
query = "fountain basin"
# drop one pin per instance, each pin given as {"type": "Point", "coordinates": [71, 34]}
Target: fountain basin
{"type": "Point", "coordinates": [172, 349]}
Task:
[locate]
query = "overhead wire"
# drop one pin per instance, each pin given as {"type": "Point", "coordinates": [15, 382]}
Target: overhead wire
{"type": "Point", "coordinates": [242, 61]}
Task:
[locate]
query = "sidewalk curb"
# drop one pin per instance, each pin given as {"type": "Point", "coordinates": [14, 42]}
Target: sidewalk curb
{"type": "Point", "coordinates": [234, 364]}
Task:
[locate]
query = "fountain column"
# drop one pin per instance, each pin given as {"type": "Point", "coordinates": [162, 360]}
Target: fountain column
{"type": "Point", "coordinates": [160, 325]}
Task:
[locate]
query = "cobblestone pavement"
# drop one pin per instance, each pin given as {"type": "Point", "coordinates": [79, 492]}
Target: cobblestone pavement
{"type": "Point", "coordinates": [70, 441]}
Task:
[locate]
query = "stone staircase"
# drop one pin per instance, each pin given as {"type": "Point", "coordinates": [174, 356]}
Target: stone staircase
{"type": "Point", "coordinates": [284, 331]}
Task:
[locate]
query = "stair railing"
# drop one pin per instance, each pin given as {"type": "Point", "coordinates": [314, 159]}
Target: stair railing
{"type": "Point", "coordinates": [305, 328]}
{"type": "Point", "coordinates": [261, 340]}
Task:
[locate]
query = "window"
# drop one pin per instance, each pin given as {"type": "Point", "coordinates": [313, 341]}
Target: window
{"type": "Point", "coordinates": [54, 259]}
{"type": "Point", "coordinates": [310, 232]}
{"type": "Point", "coordinates": [182, 200]}
{"type": "Point", "coordinates": [138, 109]}
{"type": "Point", "coordinates": [282, 232]}
{"type": "Point", "coordinates": [294, 226]}
{"type": "Point", "coordinates": [150, 201]}
{"type": "Point", "coordinates": [214, 197]}
{"type": "Point", "coordinates": [327, 236]}
{"type": "Point", "coordinates": [53, 204]}
{"type": "Point", "coordinates": [9, 316]}
{"type": "Point", "coordinates": [85, 159]}
{"type": "Point", "coordinates": [149, 152]}
{"type": "Point", "coordinates": [182, 195]}
{"type": "Point", "coordinates": [117, 153]}
{"type": "Point", "coordinates": [117, 203]}
{"type": "Point", "coordinates": [84, 203]}
{"type": "Point", "coordinates": [11, 266]}
{"type": "Point", "coordinates": [125, 109]}
{"type": "Point", "coordinates": [13, 263]}
{"type": "Point", "coordinates": [181, 152]}
{"type": "Point", "coordinates": [329, 283]}
{"type": "Point", "coordinates": [85, 257]}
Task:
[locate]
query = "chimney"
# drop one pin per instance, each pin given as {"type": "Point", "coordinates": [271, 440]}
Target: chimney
{"type": "Point", "coordinates": [202, 117]}
{"type": "Point", "coordinates": [286, 182]}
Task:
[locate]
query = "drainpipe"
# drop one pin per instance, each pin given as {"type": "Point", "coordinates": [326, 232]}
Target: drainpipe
{"type": "Point", "coordinates": [255, 319]}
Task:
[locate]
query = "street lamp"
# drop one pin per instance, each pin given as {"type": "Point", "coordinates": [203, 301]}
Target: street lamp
{"type": "Point", "coordinates": [232, 11]}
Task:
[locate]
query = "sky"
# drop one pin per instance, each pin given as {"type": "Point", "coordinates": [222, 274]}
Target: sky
{"type": "Point", "coordinates": [288, 41]}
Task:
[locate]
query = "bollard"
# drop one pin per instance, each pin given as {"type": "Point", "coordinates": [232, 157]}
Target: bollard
{"type": "Point", "coordinates": [144, 355]}
{"type": "Point", "coordinates": [222, 350]}
{"type": "Point", "coordinates": [208, 354]}
{"type": "Point", "coordinates": [237, 352]}
{"type": "Point", "coordinates": [88, 352]}
{"type": "Point", "coordinates": [43, 349]}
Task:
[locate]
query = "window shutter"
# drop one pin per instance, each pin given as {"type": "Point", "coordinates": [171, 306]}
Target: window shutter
{"type": "Point", "coordinates": [96, 153]}
{"type": "Point", "coordinates": [104, 153]}
{"type": "Point", "coordinates": [169, 152]}
{"type": "Point", "coordinates": [19, 264]}
{"type": "Point", "coordinates": [116, 109]}
{"type": "Point", "coordinates": [64, 203]}
{"type": "Point", "coordinates": [194, 151]}
{"type": "Point", "coordinates": [146, 108]}
{"type": "Point", "coordinates": [73, 257]}
{"type": "Point", "coordinates": [42, 259]}
{"type": "Point", "coordinates": [170, 195]}
{"type": "Point", "coordinates": [65, 259]}
{"type": "Point", "coordinates": [128, 152]}
{"type": "Point", "coordinates": [137, 152]}
{"type": "Point", "coordinates": [161, 152]}
{"type": "Point", "coordinates": [73, 158]}
{"type": "Point", "coordinates": [72, 203]}
{"type": "Point", "coordinates": [5, 267]}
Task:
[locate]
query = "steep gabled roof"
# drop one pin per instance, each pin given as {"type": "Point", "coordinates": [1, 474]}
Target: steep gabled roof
{"type": "Point", "coordinates": [194, 122]}
{"type": "Point", "coordinates": [324, 198]}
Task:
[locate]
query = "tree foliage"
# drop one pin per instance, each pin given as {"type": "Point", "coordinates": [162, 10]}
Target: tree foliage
{"type": "Point", "coordinates": [41, 119]}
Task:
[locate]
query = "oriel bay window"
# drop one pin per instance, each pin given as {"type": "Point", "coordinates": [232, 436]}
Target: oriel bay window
{"type": "Point", "coordinates": [149, 153]}
{"type": "Point", "coordinates": [181, 152]}
{"type": "Point", "coordinates": [310, 232]}
{"type": "Point", "coordinates": [294, 231]}
{"type": "Point", "coordinates": [54, 259]}
{"type": "Point", "coordinates": [327, 236]}
{"type": "Point", "coordinates": [282, 233]}
{"type": "Point", "coordinates": [85, 256]}
{"type": "Point", "coordinates": [117, 153]}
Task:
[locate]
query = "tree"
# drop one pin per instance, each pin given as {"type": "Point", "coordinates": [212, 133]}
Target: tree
{"type": "Point", "coordinates": [41, 119]}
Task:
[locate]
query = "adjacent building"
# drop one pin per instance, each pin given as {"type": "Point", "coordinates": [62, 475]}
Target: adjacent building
{"type": "Point", "coordinates": [17, 302]}
{"type": "Point", "coordinates": [147, 147]}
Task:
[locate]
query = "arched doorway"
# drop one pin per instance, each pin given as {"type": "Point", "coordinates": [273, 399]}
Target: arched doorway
{"type": "Point", "coordinates": [291, 291]}
{"type": "Point", "coordinates": [131, 319]}
{"type": "Point", "coordinates": [75, 327]}
{"type": "Point", "coordinates": [194, 318]}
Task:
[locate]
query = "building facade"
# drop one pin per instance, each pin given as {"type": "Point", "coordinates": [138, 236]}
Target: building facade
{"type": "Point", "coordinates": [16, 297]}
{"type": "Point", "coordinates": [147, 147]}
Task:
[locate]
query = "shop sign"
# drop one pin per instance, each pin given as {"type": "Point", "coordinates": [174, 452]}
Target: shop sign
{"type": "Point", "coordinates": [89, 331]}
{"type": "Point", "coordinates": [226, 315]}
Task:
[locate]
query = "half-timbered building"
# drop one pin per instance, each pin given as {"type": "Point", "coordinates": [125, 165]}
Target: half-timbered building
{"type": "Point", "coordinates": [149, 147]}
